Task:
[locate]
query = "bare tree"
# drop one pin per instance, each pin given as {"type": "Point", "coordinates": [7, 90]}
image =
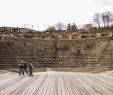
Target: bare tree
{"type": "Point", "coordinates": [103, 19]}
{"type": "Point", "coordinates": [107, 17]}
{"type": "Point", "coordinates": [97, 19]}
{"type": "Point", "coordinates": [60, 26]}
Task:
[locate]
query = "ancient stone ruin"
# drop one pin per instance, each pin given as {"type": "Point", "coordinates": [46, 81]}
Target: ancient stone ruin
{"type": "Point", "coordinates": [55, 49]}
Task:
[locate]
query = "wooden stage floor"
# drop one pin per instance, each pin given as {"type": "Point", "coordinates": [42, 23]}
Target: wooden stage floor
{"type": "Point", "coordinates": [57, 83]}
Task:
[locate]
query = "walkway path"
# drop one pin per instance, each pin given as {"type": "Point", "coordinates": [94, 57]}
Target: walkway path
{"type": "Point", "coordinates": [57, 83]}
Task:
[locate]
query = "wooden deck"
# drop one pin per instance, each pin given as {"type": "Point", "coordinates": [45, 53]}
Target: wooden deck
{"type": "Point", "coordinates": [57, 83]}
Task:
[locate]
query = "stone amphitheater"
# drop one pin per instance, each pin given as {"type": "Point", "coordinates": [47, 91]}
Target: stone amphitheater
{"type": "Point", "coordinates": [54, 49]}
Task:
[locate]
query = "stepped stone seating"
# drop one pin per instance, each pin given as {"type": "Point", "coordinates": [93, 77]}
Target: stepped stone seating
{"type": "Point", "coordinates": [5, 57]}
{"type": "Point", "coordinates": [50, 52]}
{"type": "Point", "coordinates": [89, 51]}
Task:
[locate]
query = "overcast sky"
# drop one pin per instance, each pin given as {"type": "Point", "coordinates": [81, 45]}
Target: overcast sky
{"type": "Point", "coordinates": [44, 13]}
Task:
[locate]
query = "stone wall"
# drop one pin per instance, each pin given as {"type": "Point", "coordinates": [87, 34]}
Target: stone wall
{"type": "Point", "coordinates": [54, 52]}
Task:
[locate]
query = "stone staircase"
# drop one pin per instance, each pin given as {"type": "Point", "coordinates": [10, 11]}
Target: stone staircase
{"type": "Point", "coordinates": [6, 59]}
{"type": "Point", "coordinates": [89, 52]}
{"type": "Point", "coordinates": [50, 53]}
{"type": "Point", "coordinates": [106, 59]}
{"type": "Point", "coordinates": [34, 51]}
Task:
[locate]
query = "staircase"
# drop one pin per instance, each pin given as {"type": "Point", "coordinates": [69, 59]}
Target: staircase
{"type": "Point", "coordinates": [93, 52]}
{"type": "Point", "coordinates": [6, 60]}
{"type": "Point", "coordinates": [106, 58]}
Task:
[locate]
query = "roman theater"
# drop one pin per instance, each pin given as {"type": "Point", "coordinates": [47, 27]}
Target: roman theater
{"type": "Point", "coordinates": [65, 63]}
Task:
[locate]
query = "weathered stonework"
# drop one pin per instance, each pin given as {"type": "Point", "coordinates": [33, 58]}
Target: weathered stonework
{"type": "Point", "coordinates": [57, 52]}
{"type": "Point", "coordinates": [82, 48]}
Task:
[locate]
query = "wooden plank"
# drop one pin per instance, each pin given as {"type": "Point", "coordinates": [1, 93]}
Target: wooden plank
{"type": "Point", "coordinates": [57, 83]}
{"type": "Point", "coordinates": [33, 88]}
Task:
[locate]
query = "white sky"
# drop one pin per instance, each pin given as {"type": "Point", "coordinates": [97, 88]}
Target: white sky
{"type": "Point", "coordinates": [44, 13]}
